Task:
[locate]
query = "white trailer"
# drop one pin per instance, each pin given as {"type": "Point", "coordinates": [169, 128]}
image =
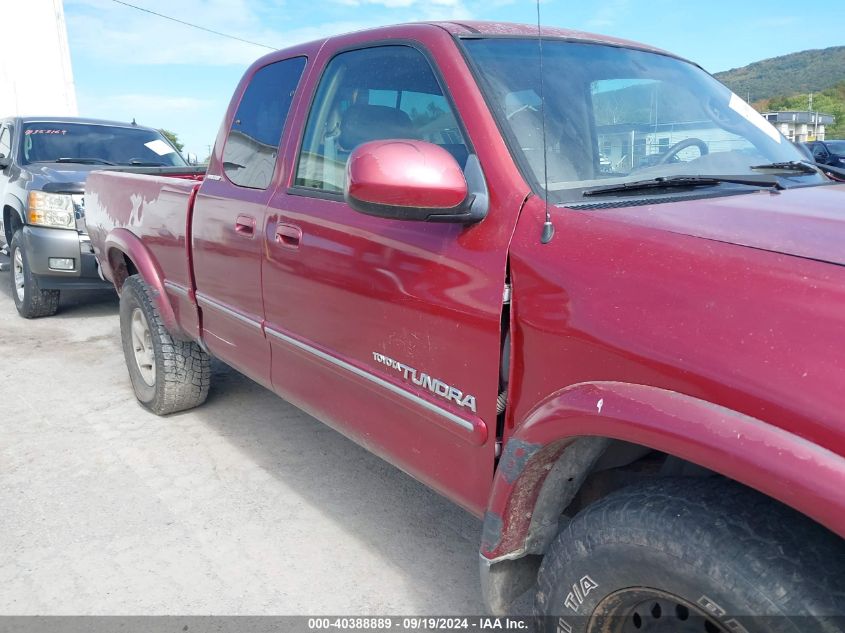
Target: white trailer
{"type": "Point", "coordinates": [35, 69]}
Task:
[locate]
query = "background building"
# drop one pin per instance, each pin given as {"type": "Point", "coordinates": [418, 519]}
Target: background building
{"type": "Point", "coordinates": [35, 69]}
{"type": "Point", "coordinates": [800, 126]}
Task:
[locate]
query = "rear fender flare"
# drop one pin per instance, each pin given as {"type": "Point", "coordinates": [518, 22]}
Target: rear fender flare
{"type": "Point", "coordinates": [122, 242]}
{"type": "Point", "coordinates": [578, 419]}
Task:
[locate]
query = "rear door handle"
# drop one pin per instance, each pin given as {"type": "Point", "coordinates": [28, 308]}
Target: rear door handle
{"type": "Point", "coordinates": [245, 225]}
{"type": "Point", "coordinates": [288, 235]}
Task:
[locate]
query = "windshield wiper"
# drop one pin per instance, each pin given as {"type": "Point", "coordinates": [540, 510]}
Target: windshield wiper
{"type": "Point", "coordinates": [667, 182]}
{"type": "Point", "coordinates": [792, 165]}
{"type": "Point", "coordinates": [141, 163]}
{"type": "Point", "coordinates": [83, 161]}
{"type": "Point", "coordinates": [807, 167]}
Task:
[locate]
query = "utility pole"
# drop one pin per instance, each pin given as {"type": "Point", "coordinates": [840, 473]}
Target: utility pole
{"type": "Point", "coordinates": [815, 118]}
{"type": "Point", "coordinates": [810, 112]}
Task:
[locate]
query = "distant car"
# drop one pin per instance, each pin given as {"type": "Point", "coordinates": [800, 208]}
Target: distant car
{"type": "Point", "coordinates": [44, 162]}
{"type": "Point", "coordinates": [828, 152]}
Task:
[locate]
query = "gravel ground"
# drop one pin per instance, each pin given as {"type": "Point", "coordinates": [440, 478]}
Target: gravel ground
{"type": "Point", "coordinates": [245, 505]}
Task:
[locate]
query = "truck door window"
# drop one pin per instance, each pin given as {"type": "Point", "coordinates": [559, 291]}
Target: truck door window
{"type": "Point", "coordinates": [5, 142]}
{"type": "Point", "coordinates": [820, 152]}
{"type": "Point", "coordinates": [249, 155]}
{"type": "Point", "coordinates": [371, 94]}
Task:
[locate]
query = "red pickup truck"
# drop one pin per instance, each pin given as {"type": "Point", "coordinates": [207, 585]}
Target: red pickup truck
{"type": "Point", "coordinates": [601, 307]}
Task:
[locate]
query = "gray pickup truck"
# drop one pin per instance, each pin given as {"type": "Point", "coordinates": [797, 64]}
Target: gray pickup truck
{"type": "Point", "coordinates": [44, 162]}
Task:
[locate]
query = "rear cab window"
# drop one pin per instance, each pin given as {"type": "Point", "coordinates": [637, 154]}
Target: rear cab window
{"type": "Point", "coordinates": [368, 94]}
{"type": "Point", "coordinates": [252, 144]}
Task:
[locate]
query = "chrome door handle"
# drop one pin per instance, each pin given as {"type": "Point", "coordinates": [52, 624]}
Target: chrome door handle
{"type": "Point", "coordinates": [245, 226]}
{"type": "Point", "coordinates": [288, 235]}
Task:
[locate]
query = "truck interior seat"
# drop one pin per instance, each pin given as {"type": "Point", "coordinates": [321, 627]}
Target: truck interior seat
{"type": "Point", "coordinates": [362, 123]}
{"type": "Point", "coordinates": [527, 126]}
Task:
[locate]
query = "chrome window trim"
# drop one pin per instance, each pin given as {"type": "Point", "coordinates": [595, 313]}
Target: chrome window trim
{"type": "Point", "coordinates": [207, 302]}
{"type": "Point", "coordinates": [179, 290]}
{"type": "Point", "coordinates": [384, 384]}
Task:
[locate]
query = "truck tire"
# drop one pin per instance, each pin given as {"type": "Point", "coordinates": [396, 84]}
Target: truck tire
{"type": "Point", "coordinates": [30, 300]}
{"type": "Point", "coordinates": [681, 555]}
{"type": "Point", "coordinates": [167, 375]}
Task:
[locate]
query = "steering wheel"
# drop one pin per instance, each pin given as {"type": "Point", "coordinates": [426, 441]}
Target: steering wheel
{"type": "Point", "coordinates": [521, 108]}
{"type": "Point", "coordinates": [681, 145]}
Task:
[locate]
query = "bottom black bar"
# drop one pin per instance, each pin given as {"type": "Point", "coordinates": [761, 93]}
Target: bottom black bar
{"type": "Point", "coordinates": [309, 624]}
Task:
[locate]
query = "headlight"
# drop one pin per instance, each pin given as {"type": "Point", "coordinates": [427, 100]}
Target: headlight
{"type": "Point", "coordinates": [51, 209]}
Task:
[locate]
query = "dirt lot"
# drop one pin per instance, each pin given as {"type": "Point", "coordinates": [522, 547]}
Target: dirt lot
{"type": "Point", "coordinates": [243, 506]}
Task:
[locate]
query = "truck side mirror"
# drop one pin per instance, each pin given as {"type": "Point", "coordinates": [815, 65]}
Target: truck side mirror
{"type": "Point", "coordinates": [409, 180]}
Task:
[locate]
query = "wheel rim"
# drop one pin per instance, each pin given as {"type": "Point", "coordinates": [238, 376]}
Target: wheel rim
{"type": "Point", "coordinates": [142, 346]}
{"type": "Point", "coordinates": [645, 610]}
{"type": "Point", "coordinates": [17, 264]}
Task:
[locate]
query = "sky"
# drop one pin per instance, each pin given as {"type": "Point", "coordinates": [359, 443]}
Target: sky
{"type": "Point", "coordinates": [131, 64]}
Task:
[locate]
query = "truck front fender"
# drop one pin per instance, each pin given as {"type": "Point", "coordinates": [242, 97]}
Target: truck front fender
{"type": "Point", "coordinates": [780, 464]}
{"type": "Point", "coordinates": [550, 454]}
{"type": "Point", "coordinates": [122, 243]}
{"type": "Point", "coordinates": [12, 204]}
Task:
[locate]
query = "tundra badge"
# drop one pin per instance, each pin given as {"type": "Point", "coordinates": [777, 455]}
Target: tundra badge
{"type": "Point", "coordinates": [421, 379]}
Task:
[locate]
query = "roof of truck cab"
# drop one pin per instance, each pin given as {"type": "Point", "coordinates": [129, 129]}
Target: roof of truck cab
{"type": "Point", "coordinates": [466, 29]}
{"type": "Point", "coordinates": [478, 28]}
{"type": "Point", "coordinates": [469, 28]}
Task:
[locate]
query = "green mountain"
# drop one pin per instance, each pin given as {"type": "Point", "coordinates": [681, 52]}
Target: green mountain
{"type": "Point", "coordinates": [784, 83]}
{"type": "Point", "coordinates": [804, 72]}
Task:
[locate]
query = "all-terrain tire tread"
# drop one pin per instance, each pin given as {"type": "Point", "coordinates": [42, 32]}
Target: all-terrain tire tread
{"type": "Point", "coordinates": [186, 376]}
{"type": "Point", "coordinates": [42, 303]}
{"type": "Point", "coordinates": [779, 547]}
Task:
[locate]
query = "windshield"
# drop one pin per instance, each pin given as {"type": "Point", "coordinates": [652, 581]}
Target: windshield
{"type": "Point", "coordinates": [837, 147]}
{"type": "Point", "coordinates": [615, 115]}
{"type": "Point", "coordinates": [57, 141]}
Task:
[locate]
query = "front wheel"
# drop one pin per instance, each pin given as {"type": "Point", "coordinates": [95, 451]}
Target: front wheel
{"type": "Point", "coordinates": [698, 555]}
{"type": "Point", "coordinates": [167, 375]}
{"type": "Point", "coordinates": [30, 300]}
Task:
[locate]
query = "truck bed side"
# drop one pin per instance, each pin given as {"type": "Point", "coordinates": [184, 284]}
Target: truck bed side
{"type": "Point", "coordinates": [141, 223]}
